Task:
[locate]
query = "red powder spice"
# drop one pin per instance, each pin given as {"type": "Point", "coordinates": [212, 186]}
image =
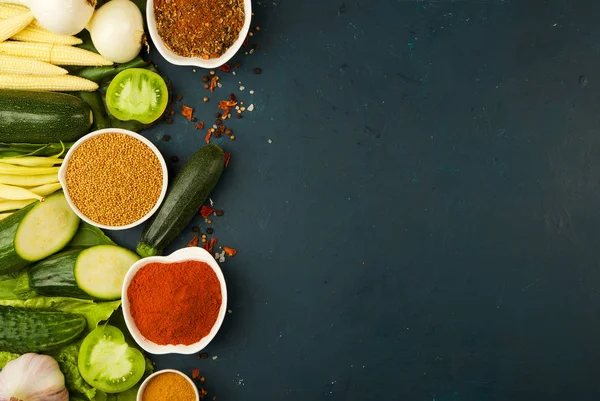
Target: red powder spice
{"type": "Point", "coordinates": [175, 303]}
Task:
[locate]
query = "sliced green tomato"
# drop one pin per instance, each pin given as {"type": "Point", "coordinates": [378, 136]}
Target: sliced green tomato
{"type": "Point", "coordinates": [46, 229]}
{"type": "Point", "coordinates": [100, 270]}
{"type": "Point", "coordinates": [107, 363]}
{"type": "Point", "coordinates": [137, 94]}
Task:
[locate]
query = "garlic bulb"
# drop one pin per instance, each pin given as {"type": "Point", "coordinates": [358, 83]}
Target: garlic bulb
{"type": "Point", "coordinates": [32, 377]}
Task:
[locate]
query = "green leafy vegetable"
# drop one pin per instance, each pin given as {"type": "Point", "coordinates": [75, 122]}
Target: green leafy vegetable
{"type": "Point", "coordinates": [67, 360]}
{"type": "Point", "coordinates": [94, 312]}
{"type": "Point", "coordinates": [88, 236]}
{"type": "Point", "coordinates": [16, 286]}
{"type": "Point", "coordinates": [6, 357]}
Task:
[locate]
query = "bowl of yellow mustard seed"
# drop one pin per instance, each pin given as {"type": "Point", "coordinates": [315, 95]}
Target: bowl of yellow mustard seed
{"type": "Point", "coordinates": [113, 178]}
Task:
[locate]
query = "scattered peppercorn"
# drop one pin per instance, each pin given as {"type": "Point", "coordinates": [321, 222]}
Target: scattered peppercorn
{"type": "Point", "coordinates": [257, 28]}
{"type": "Point", "coordinates": [209, 230]}
{"type": "Point", "coordinates": [172, 112]}
{"type": "Point", "coordinates": [228, 131]}
{"type": "Point", "coordinates": [205, 78]}
{"type": "Point", "coordinates": [212, 72]}
{"type": "Point", "coordinates": [232, 137]}
{"type": "Point", "coordinates": [218, 121]}
{"type": "Point", "coordinates": [205, 99]}
{"type": "Point", "coordinates": [257, 70]}
{"type": "Point", "coordinates": [209, 221]}
{"type": "Point", "coordinates": [174, 159]}
{"type": "Point", "coordinates": [218, 115]}
{"type": "Point", "coordinates": [195, 229]}
{"type": "Point", "coordinates": [166, 137]}
{"type": "Point", "coordinates": [218, 134]}
{"type": "Point", "coordinates": [237, 64]}
{"type": "Point", "coordinates": [169, 120]}
{"type": "Point", "coordinates": [239, 116]}
{"type": "Point", "coordinates": [219, 212]}
{"type": "Point", "coordinates": [206, 86]}
{"type": "Point", "coordinates": [179, 97]}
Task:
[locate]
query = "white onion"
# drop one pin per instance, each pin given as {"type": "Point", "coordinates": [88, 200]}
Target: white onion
{"type": "Point", "coordinates": [63, 17]}
{"type": "Point", "coordinates": [117, 30]}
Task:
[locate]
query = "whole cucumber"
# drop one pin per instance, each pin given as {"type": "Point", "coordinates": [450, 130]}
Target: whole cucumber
{"type": "Point", "coordinates": [190, 189]}
{"type": "Point", "coordinates": [42, 117]}
{"type": "Point", "coordinates": [27, 330]}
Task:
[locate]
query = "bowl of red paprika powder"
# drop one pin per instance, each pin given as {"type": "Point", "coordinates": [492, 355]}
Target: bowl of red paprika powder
{"type": "Point", "coordinates": [176, 303]}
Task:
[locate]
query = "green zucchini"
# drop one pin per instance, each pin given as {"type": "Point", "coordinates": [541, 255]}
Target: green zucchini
{"type": "Point", "coordinates": [26, 330]}
{"type": "Point", "coordinates": [36, 232]}
{"type": "Point", "coordinates": [189, 191]}
{"type": "Point", "coordinates": [42, 117]}
{"type": "Point", "coordinates": [97, 272]}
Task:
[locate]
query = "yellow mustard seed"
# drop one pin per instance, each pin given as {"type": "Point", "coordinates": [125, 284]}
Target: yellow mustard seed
{"type": "Point", "coordinates": [114, 179]}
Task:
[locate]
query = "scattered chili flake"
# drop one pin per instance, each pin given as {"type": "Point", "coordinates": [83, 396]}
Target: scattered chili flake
{"type": "Point", "coordinates": [257, 70]}
{"type": "Point", "coordinates": [205, 78]}
{"type": "Point", "coordinates": [194, 241]}
{"type": "Point", "coordinates": [225, 68]}
{"type": "Point", "coordinates": [232, 97]}
{"type": "Point", "coordinates": [213, 83]}
{"type": "Point", "coordinates": [179, 97]}
{"type": "Point", "coordinates": [210, 230]}
{"type": "Point", "coordinates": [200, 125]}
{"type": "Point", "coordinates": [195, 374]}
{"type": "Point", "coordinates": [174, 159]}
{"type": "Point", "coordinates": [195, 229]}
{"type": "Point", "coordinates": [187, 112]}
{"type": "Point", "coordinates": [166, 138]}
{"type": "Point", "coordinates": [207, 137]}
{"type": "Point", "coordinates": [231, 252]}
{"type": "Point", "coordinates": [227, 157]}
{"type": "Point", "coordinates": [237, 64]}
{"type": "Point", "coordinates": [169, 120]}
{"type": "Point", "coordinates": [206, 211]}
{"type": "Point", "coordinates": [219, 212]}
{"type": "Point", "coordinates": [210, 245]}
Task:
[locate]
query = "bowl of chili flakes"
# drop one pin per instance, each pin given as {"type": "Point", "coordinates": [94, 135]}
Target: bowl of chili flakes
{"type": "Point", "coordinates": [201, 33]}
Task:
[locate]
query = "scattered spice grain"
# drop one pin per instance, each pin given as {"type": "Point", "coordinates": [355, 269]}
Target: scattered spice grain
{"type": "Point", "coordinates": [205, 78]}
{"type": "Point", "coordinates": [114, 179]}
{"type": "Point", "coordinates": [257, 70]}
{"type": "Point", "coordinates": [166, 138]}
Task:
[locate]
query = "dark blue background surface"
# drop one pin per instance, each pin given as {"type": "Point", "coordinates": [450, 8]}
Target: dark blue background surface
{"type": "Point", "coordinates": [425, 224]}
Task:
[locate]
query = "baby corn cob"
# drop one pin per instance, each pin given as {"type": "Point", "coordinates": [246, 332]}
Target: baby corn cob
{"type": "Point", "coordinates": [14, 25]}
{"type": "Point", "coordinates": [28, 66]}
{"type": "Point", "coordinates": [41, 35]}
{"type": "Point", "coordinates": [53, 54]}
{"type": "Point", "coordinates": [60, 83]}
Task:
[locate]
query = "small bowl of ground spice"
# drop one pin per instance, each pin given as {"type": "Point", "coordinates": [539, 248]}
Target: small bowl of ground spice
{"type": "Point", "coordinates": [202, 33]}
{"type": "Point", "coordinates": [176, 303]}
{"type": "Point", "coordinates": [113, 178]}
{"type": "Point", "coordinates": [168, 384]}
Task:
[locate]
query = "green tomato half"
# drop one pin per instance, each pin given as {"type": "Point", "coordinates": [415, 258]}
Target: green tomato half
{"type": "Point", "coordinates": [137, 94]}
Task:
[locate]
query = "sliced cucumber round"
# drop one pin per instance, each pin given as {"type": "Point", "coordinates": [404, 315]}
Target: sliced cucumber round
{"type": "Point", "coordinates": [100, 270]}
{"type": "Point", "coordinates": [46, 229]}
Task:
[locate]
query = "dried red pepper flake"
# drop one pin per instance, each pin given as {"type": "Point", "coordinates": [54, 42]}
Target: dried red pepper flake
{"type": "Point", "coordinates": [194, 241]}
{"type": "Point", "coordinates": [200, 125]}
{"type": "Point", "coordinates": [227, 156]}
{"type": "Point", "coordinates": [213, 83]}
{"type": "Point", "coordinates": [227, 104]}
{"type": "Point", "coordinates": [231, 252]}
{"type": "Point", "coordinates": [195, 374]}
{"type": "Point", "coordinates": [232, 97]}
{"type": "Point", "coordinates": [208, 136]}
{"type": "Point", "coordinates": [225, 68]}
{"type": "Point", "coordinates": [187, 112]}
{"type": "Point", "coordinates": [210, 245]}
{"type": "Point", "coordinates": [206, 211]}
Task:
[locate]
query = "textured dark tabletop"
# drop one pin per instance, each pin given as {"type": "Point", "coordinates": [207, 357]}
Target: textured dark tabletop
{"type": "Point", "coordinates": [415, 201]}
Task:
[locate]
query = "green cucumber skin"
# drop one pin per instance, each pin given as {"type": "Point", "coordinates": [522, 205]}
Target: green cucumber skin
{"type": "Point", "coordinates": [27, 330]}
{"type": "Point", "coordinates": [189, 191]}
{"type": "Point", "coordinates": [10, 261]}
{"type": "Point", "coordinates": [55, 276]}
{"type": "Point", "coordinates": [42, 117]}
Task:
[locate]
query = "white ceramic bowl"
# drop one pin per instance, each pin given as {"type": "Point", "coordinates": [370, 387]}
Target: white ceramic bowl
{"type": "Point", "coordinates": [63, 170]}
{"type": "Point", "coordinates": [140, 393]}
{"type": "Point", "coordinates": [197, 61]}
{"type": "Point", "coordinates": [181, 255]}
